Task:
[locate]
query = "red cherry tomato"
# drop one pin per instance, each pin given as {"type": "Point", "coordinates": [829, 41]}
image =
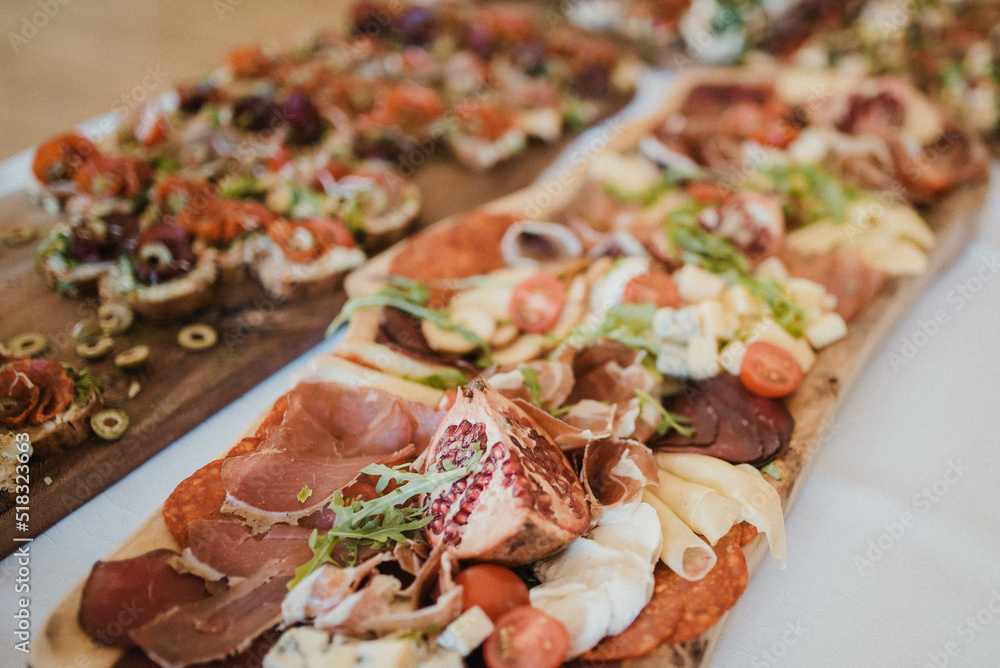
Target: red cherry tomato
{"type": "Point", "coordinates": [707, 192]}
{"type": "Point", "coordinates": [359, 489]}
{"type": "Point", "coordinates": [526, 637]}
{"type": "Point", "coordinates": [537, 303]}
{"type": "Point", "coordinates": [653, 287]}
{"type": "Point", "coordinates": [495, 589]}
{"type": "Point", "coordinates": [769, 371]}
{"type": "Point", "coordinates": [60, 157]}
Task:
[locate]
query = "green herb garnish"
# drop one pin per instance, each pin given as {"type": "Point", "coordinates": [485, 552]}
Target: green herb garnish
{"type": "Point", "coordinates": [668, 420]}
{"type": "Point", "coordinates": [411, 297]}
{"type": "Point", "coordinates": [446, 380]}
{"type": "Point", "coordinates": [629, 324]}
{"type": "Point", "coordinates": [384, 519]}
{"type": "Point", "coordinates": [531, 382]}
{"type": "Point", "coordinates": [84, 385]}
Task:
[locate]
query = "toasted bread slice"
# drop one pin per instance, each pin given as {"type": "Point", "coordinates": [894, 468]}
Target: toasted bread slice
{"type": "Point", "coordinates": [285, 279]}
{"type": "Point", "coordinates": [171, 300]}
{"type": "Point", "coordinates": [67, 429]}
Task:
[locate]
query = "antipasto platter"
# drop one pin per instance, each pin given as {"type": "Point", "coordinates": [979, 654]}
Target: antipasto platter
{"type": "Point", "coordinates": [618, 386]}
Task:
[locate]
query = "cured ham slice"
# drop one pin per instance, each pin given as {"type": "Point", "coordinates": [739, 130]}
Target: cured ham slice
{"type": "Point", "coordinates": [843, 273]}
{"type": "Point", "coordinates": [123, 595]}
{"type": "Point", "coordinates": [216, 627]}
{"type": "Point", "coordinates": [228, 547]}
{"type": "Point", "coordinates": [614, 473]}
{"type": "Point", "coordinates": [328, 433]}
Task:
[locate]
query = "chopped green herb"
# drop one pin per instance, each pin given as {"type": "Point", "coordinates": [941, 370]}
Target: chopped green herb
{"type": "Point", "coordinates": [84, 384]}
{"type": "Point", "coordinates": [668, 420]}
{"type": "Point", "coordinates": [531, 382]}
{"type": "Point", "coordinates": [772, 471]}
{"type": "Point", "coordinates": [240, 187]}
{"type": "Point", "coordinates": [630, 324]}
{"type": "Point", "coordinates": [810, 193]}
{"type": "Point", "coordinates": [304, 493]}
{"type": "Point", "coordinates": [446, 380]}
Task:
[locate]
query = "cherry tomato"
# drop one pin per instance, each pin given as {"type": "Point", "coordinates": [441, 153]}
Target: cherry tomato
{"type": "Point", "coordinates": [113, 176]}
{"type": "Point", "coordinates": [360, 490]}
{"type": "Point", "coordinates": [495, 589]}
{"type": "Point", "coordinates": [653, 287]}
{"type": "Point", "coordinates": [247, 61]}
{"type": "Point", "coordinates": [60, 157]}
{"type": "Point", "coordinates": [769, 371]}
{"type": "Point", "coordinates": [537, 303]}
{"type": "Point", "coordinates": [526, 637]}
{"type": "Point", "coordinates": [484, 121]}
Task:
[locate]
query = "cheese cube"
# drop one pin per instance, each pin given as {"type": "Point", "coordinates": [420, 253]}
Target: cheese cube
{"type": "Point", "coordinates": [672, 360]}
{"type": "Point", "coordinates": [695, 283]}
{"type": "Point", "coordinates": [826, 330]}
{"type": "Point", "coordinates": [738, 299]}
{"type": "Point", "coordinates": [715, 320]}
{"type": "Point", "coordinates": [808, 294]}
{"type": "Point", "coordinates": [677, 325]}
{"type": "Point", "coordinates": [702, 357]}
{"type": "Point", "coordinates": [803, 354]}
{"type": "Point", "coordinates": [387, 653]}
{"type": "Point", "coordinates": [731, 357]}
{"type": "Point", "coordinates": [467, 632]}
{"type": "Point", "coordinates": [774, 268]}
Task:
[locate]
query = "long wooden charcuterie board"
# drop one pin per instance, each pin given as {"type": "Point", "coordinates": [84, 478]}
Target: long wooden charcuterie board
{"type": "Point", "coordinates": [954, 221]}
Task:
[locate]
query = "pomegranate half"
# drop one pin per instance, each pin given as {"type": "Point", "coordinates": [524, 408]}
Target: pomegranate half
{"type": "Point", "coordinates": [520, 503]}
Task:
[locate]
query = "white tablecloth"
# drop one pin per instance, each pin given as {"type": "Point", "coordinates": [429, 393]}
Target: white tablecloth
{"type": "Point", "coordinates": [894, 544]}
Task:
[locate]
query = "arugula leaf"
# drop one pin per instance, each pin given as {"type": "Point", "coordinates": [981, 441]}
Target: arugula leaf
{"type": "Point", "coordinates": [626, 323]}
{"type": "Point", "coordinates": [411, 297]}
{"type": "Point", "coordinates": [531, 382]}
{"type": "Point", "coordinates": [384, 519]}
{"type": "Point", "coordinates": [446, 380]}
{"type": "Point", "coordinates": [668, 420]}
{"type": "Point", "coordinates": [810, 193]}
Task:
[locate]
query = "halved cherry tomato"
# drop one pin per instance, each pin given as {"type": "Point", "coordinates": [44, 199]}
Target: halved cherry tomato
{"type": "Point", "coordinates": [653, 287]}
{"type": "Point", "coordinates": [537, 303]}
{"type": "Point", "coordinates": [526, 637]}
{"type": "Point", "coordinates": [769, 371]}
{"type": "Point", "coordinates": [493, 588]}
{"type": "Point", "coordinates": [113, 176]}
{"type": "Point", "coordinates": [360, 490]}
{"type": "Point", "coordinates": [60, 157]}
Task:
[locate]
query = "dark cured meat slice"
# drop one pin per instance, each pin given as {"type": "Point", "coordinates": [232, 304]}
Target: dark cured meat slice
{"type": "Point", "coordinates": [750, 428]}
{"type": "Point", "coordinates": [401, 331]}
{"type": "Point", "coordinates": [227, 545]}
{"type": "Point", "coordinates": [123, 595]}
{"type": "Point", "coordinates": [251, 657]}
{"type": "Point", "coordinates": [219, 626]}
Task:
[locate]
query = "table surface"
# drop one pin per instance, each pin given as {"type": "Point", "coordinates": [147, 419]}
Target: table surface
{"type": "Point", "coordinates": [894, 543]}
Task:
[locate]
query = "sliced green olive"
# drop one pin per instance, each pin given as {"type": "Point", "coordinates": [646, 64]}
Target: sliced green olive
{"type": "Point", "coordinates": [28, 344]}
{"type": "Point", "coordinates": [109, 424]}
{"type": "Point", "coordinates": [133, 358]}
{"type": "Point", "coordinates": [156, 254]}
{"type": "Point", "coordinates": [115, 318]}
{"type": "Point", "coordinates": [95, 350]}
{"type": "Point", "coordinates": [87, 331]}
{"type": "Point", "coordinates": [17, 235]}
{"type": "Point", "coordinates": [197, 337]}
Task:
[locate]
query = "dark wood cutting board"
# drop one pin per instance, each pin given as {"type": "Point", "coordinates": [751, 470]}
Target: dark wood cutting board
{"type": "Point", "coordinates": [180, 389]}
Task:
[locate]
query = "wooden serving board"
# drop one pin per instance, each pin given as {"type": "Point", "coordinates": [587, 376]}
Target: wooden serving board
{"type": "Point", "coordinates": [954, 220]}
{"type": "Point", "coordinates": [180, 389]}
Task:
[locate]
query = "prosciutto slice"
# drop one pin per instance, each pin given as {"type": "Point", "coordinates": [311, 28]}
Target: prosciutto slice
{"type": "Point", "coordinates": [228, 547]}
{"type": "Point", "coordinates": [328, 434]}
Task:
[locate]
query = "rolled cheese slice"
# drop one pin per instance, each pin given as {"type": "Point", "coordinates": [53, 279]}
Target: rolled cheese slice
{"type": "Point", "coordinates": [686, 554]}
{"type": "Point", "coordinates": [702, 508]}
{"type": "Point", "coordinates": [761, 505]}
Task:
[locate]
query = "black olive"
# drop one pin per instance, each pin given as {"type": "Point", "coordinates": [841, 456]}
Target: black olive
{"type": "Point", "coordinates": [256, 113]}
